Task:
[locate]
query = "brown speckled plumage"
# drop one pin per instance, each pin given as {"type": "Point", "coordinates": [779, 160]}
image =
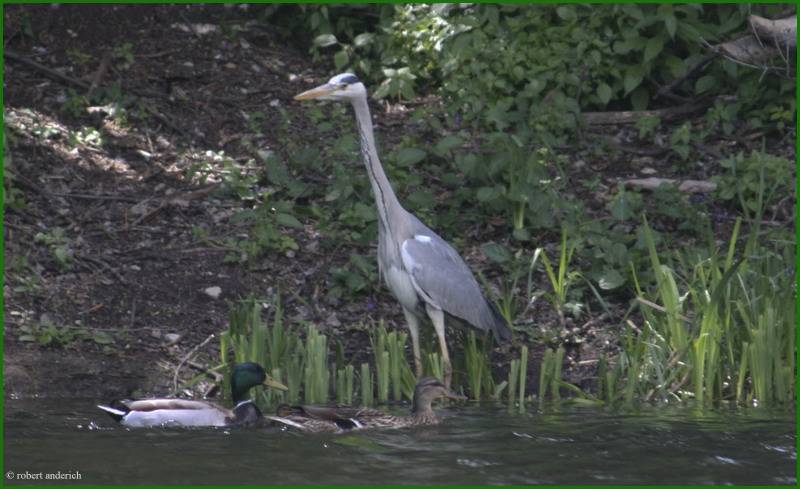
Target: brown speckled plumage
{"type": "Point", "coordinates": [339, 419]}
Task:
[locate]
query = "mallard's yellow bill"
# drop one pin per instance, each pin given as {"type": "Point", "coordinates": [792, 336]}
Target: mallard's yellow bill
{"type": "Point", "coordinates": [270, 382]}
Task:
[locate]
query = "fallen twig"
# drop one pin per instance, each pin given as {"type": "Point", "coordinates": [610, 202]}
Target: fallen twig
{"type": "Point", "coordinates": [96, 197]}
{"type": "Point", "coordinates": [103, 265]}
{"type": "Point", "coordinates": [186, 359]}
{"type": "Point", "coordinates": [749, 50]}
{"type": "Point", "coordinates": [687, 186]}
{"type": "Point", "coordinates": [208, 371]}
{"type": "Point", "coordinates": [158, 54]}
{"type": "Point", "coordinates": [51, 73]}
{"type": "Point", "coordinates": [610, 142]}
{"type": "Point", "coordinates": [782, 31]}
{"type": "Point", "coordinates": [655, 306]}
{"type": "Point", "coordinates": [146, 215]}
{"type": "Point", "coordinates": [667, 89]}
{"type": "Point", "coordinates": [99, 74]}
{"type": "Point", "coordinates": [593, 321]}
{"type": "Point", "coordinates": [633, 116]}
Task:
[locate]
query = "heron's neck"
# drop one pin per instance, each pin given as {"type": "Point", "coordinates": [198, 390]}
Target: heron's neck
{"type": "Point", "coordinates": [385, 198]}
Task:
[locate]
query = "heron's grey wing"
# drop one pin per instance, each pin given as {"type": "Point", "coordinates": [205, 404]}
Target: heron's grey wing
{"type": "Point", "coordinates": [442, 278]}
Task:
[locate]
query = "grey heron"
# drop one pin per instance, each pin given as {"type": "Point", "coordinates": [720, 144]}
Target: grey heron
{"type": "Point", "coordinates": [424, 273]}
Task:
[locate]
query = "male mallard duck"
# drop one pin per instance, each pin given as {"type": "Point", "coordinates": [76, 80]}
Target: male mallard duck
{"type": "Point", "coordinates": [321, 419]}
{"type": "Point", "coordinates": [149, 413]}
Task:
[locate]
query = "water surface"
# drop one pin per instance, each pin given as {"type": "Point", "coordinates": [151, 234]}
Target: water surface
{"type": "Point", "coordinates": [483, 444]}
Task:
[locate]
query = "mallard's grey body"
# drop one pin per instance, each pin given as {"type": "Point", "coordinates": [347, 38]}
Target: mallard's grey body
{"type": "Point", "coordinates": [167, 412]}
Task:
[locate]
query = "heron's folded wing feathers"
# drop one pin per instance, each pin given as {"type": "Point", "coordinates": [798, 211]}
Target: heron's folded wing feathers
{"type": "Point", "coordinates": [440, 275]}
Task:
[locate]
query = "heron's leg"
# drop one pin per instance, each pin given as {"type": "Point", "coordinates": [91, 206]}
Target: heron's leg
{"type": "Point", "coordinates": [413, 328]}
{"type": "Point", "coordinates": [437, 317]}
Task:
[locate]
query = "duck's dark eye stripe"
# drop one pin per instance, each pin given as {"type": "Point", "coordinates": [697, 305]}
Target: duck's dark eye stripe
{"type": "Point", "coordinates": [349, 79]}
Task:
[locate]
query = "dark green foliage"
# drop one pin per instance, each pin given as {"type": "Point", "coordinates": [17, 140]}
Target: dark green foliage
{"type": "Point", "coordinates": [533, 68]}
{"type": "Point", "coordinates": [513, 81]}
{"type": "Point", "coordinates": [757, 183]}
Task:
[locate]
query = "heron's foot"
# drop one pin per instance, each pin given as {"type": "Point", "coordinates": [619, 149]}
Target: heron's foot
{"type": "Point", "coordinates": [418, 367]}
{"type": "Point", "coordinates": [447, 370]}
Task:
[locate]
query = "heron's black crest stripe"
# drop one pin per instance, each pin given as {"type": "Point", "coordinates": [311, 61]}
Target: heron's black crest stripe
{"type": "Point", "coordinates": [349, 79]}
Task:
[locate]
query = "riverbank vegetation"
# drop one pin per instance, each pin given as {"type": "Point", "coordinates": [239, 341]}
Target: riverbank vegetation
{"type": "Point", "coordinates": [623, 187]}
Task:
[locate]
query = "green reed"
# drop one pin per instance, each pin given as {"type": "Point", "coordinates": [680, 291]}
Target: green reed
{"type": "Point", "coordinates": [316, 377]}
{"type": "Point", "coordinates": [367, 397]}
{"type": "Point", "coordinates": [721, 329]}
{"type": "Point", "coordinates": [523, 373]}
{"type": "Point", "coordinates": [344, 385]}
{"type": "Point", "coordinates": [478, 366]}
{"type": "Point", "coordinates": [392, 369]}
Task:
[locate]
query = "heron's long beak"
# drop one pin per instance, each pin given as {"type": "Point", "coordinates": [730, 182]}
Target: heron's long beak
{"type": "Point", "coordinates": [270, 382]}
{"type": "Point", "coordinates": [317, 92]}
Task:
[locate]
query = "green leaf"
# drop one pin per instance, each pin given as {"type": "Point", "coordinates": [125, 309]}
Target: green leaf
{"type": "Point", "coordinates": [731, 68]}
{"type": "Point", "coordinates": [421, 199]}
{"type": "Point", "coordinates": [334, 194]}
{"type": "Point", "coordinates": [102, 338]}
{"type": "Point", "coordinates": [623, 47]}
{"type": "Point", "coordinates": [611, 279]}
{"type": "Point", "coordinates": [406, 90]}
{"type": "Point", "coordinates": [640, 98]}
{"type": "Point", "coordinates": [62, 254]}
{"type": "Point", "coordinates": [361, 262]}
{"type": "Point", "coordinates": [410, 156]}
{"type": "Point", "coordinates": [604, 93]}
{"type": "Point", "coordinates": [497, 253]}
{"type": "Point", "coordinates": [671, 25]}
{"type": "Point", "coordinates": [447, 144]}
{"type": "Point", "coordinates": [633, 78]}
{"type": "Point", "coordinates": [677, 67]}
{"type": "Point", "coordinates": [277, 172]}
{"type": "Point", "coordinates": [705, 83]}
{"type": "Point", "coordinates": [486, 193]}
{"type": "Point", "coordinates": [341, 59]}
{"type": "Point", "coordinates": [325, 40]}
{"type": "Point", "coordinates": [566, 12]}
{"type": "Point", "coordinates": [624, 205]}
{"type": "Point", "coordinates": [521, 234]}
{"type": "Point", "coordinates": [288, 220]}
{"type": "Point", "coordinates": [382, 90]}
{"type": "Point", "coordinates": [363, 39]}
{"type": "Point", "coordinates": [653, 48]}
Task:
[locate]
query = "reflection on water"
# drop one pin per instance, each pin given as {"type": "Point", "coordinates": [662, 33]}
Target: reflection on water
{"type": "Point", "coordinates": [476, 445]}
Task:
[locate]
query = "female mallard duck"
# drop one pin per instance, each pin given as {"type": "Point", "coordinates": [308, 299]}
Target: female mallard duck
{"type": "Point", "coordinates": [320, 419]}
{"type": "Point", "coordinates": [149, 413]}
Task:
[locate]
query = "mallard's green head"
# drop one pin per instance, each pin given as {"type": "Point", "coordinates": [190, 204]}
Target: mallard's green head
{"type": "Point", "coordinates": [248, 375]}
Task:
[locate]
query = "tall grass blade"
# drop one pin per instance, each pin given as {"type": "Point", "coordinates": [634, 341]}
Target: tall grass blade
{"type": "Point", "coordinates": [558, 360]}
{"type": "Point", "coordinates": [474, 366]}
{"type": "Point", "coordinates": [367, 397]}
{"type": "Point", "coordinates": [523, 373]}
{"type": "Point", "coordinates": [513, 376]}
